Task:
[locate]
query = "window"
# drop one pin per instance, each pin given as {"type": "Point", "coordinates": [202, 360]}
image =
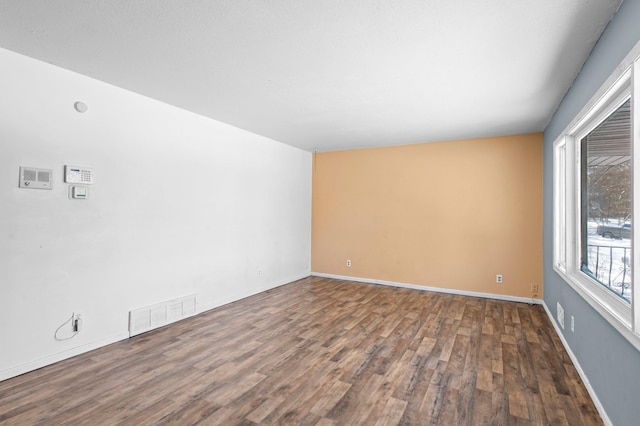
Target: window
{"type": "Point", "coordinates": [605, 208]}
{"type": "Point", "coordinates": [596, 197]}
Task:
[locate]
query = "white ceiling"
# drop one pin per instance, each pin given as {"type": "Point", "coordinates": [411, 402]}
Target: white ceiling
{"type": "Point", "coordinates": [331, 74]}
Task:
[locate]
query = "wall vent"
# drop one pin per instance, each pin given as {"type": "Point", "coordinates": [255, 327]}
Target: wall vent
{"type": "Point", "coordinates": [150, 317]}
{"type": "Point", "coordinates": [32, 178]}
{"type": "Point", "coordinates": [560, 314]}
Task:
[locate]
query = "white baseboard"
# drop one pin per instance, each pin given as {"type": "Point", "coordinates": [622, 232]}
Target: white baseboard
{"type": "Point", "coordinates": [594, 397]}
{"type": "Point", "coordinates": [51, 359]}
{"type": "Point", "coordinates": [435, 289]}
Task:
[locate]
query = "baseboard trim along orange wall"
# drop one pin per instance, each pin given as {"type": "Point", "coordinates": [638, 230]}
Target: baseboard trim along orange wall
{"type": "Point", "coordinates": [518, 299]}
{"type": "Point", "coordinates": [449, 215]}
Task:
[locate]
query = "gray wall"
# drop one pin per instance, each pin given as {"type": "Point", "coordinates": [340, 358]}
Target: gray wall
{"type": "Point", "coordinates": [610, 362]}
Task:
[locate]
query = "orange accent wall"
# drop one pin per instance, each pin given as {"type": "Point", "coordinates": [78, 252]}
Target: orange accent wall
{"type": "Point", "coordinates": [446, 214]}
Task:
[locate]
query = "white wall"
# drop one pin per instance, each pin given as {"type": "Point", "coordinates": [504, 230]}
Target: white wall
{"type": "Point", "coordinates": [181, 204]}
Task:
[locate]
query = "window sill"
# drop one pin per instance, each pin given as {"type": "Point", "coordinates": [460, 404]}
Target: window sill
{"type": "Point", "coordinates": [615, 312]}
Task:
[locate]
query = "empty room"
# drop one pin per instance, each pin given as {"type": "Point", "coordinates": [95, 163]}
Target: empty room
{"type": "Point", "coordinates": [368, 212]}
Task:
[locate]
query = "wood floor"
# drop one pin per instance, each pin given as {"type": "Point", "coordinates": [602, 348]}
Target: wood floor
{"type": "Point", "coordinates": [320, 352]}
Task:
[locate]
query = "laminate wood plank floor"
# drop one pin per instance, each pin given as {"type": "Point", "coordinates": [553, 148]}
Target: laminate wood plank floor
{"type": "Point", "coordinates": [320, 352]}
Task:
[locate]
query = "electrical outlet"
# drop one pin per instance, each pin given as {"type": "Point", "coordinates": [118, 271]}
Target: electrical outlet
{"type": "Point", "coordinates": [76, 323]}
{"type": "Point", "coordinates": [499, 278]}
{"type": "Point", "coordinates": [348, 263]}
{"type": "Point", "coordinates": [573, 324]}
{"type": "Point", "coordinates": [534, 289]}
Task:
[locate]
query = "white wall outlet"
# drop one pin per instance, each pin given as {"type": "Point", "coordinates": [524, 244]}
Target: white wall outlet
{"type": "Point", "coordinates": [573, 324]}
{"type": "Point", "coordinates": [560, 314]}
{"type": "Point", "coordinates": [76, 323]}
{"type": "Point", "coordinates": [499, 278]}
{"type": "Point", "coordinates": [348, 263]}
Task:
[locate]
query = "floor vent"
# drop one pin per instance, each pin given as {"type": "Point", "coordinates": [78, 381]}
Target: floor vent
{"type": "Point", "coordinates": [150, 317]}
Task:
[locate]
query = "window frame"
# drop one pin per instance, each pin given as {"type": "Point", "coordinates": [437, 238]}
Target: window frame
{"type": "Point", "coordinates": [624, 83]}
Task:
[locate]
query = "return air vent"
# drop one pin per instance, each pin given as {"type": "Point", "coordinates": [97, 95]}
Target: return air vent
{"type": "Point", "coordinates": [560, 314]}
{"type": "Point", "coordinates": [150, 317]}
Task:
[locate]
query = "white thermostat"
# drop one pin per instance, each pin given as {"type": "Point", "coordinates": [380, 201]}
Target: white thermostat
{"type": "Point", "coordinates": [79, 193]}
{"type": "Point", "coordinates": [75, 174]}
